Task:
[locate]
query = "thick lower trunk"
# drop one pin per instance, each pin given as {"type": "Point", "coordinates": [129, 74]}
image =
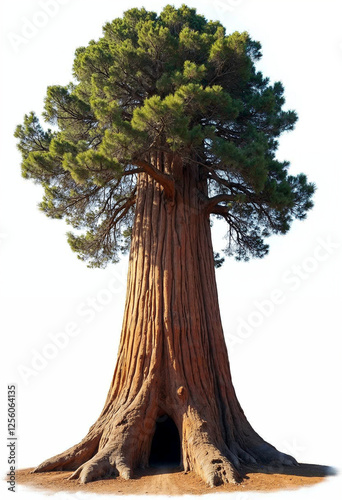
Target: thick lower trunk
{"type": "Point", "coordinates": [172, 357]}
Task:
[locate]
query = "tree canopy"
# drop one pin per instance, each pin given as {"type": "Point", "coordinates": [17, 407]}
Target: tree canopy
{"type": "Point", "coordinates": [174, 83]}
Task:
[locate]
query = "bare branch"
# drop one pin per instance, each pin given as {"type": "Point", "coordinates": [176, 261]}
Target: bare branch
{"type": "Point", "coordinates": [133, 171]}
{"type": "Point", "coordinates": [213, 203]}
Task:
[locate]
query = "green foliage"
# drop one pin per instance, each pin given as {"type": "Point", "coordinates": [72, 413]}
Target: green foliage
{"type": "Point", "coordinates": [174, 83]}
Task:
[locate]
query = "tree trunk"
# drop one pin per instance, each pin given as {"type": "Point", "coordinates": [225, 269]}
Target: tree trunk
{"type": "Point", "coordinates": [172, 357]}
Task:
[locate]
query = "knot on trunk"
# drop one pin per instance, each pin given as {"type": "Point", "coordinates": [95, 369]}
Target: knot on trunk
{"type": "Point", "coordinates": [182, 393]}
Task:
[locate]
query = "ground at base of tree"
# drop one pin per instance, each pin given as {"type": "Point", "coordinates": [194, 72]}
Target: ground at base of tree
{"type": "Point", "coordinates": [157, 481]}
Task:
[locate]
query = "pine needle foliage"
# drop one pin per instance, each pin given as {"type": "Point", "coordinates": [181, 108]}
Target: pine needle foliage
{"type": "Point", "coordinates": [175, 83]}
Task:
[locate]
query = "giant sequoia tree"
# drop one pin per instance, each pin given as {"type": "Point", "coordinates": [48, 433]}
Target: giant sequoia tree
{"type": "Point", "coordinates": [166, 123]}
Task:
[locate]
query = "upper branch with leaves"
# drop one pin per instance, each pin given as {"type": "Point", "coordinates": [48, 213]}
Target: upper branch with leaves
{"type": "Point", "coordinates": [175, 84]}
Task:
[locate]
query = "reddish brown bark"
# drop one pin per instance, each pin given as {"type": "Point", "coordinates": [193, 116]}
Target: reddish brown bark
{"type": "Point", "coordinates": [172, 356]}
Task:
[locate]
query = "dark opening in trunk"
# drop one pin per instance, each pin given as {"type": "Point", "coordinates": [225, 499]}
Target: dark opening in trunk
{"type": "Point", "coordinates": [165, 449]}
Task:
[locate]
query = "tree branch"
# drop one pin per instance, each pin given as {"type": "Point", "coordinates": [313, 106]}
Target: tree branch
{"type": "Point", "coordinates": [166, 180]}
{"type": "Point", "coordinates": [133, 171]}
{"type": "Point", "coordinates": [213, 203]}
{"type": "Point", "coordinates": [220, 210]}
{"type": "Point", "coordinates": [117, 216]}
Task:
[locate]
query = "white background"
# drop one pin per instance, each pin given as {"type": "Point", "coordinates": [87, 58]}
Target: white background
{"type": "Point", "coordinates": [285, 358]}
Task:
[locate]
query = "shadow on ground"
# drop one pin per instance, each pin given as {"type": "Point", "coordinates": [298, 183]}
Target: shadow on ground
{"type": "Point", "coordinates": [302, 470]}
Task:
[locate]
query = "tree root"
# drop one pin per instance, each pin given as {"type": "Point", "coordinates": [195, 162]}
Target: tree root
{"type": "Point", "coordinates": [113, 451]}
{"type": "Point", "coordinates": [214, 467]}
{"type": "Point", "coordinates": [104, 464]}
{"type": "Point", "coordinates": [72, 458]}
{"type": "Point", "coordinates": [268, 455]}
{"type": "Point", "coordinates": [219, 470]}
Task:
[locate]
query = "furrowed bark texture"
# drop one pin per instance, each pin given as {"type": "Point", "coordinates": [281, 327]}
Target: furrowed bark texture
{"type": "Point", "coordinates": [172, 356]}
